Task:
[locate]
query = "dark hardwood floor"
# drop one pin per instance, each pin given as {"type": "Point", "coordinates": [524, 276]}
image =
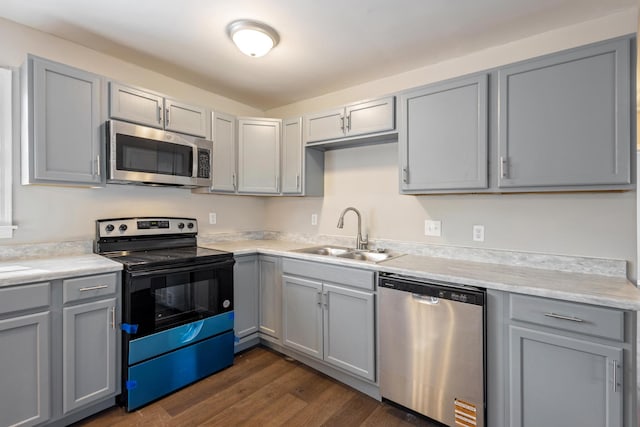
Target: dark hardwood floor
{"type": "Point", "coordinates": [262, 388]}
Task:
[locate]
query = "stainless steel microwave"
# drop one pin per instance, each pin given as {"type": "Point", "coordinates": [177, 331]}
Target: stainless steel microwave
{"type": "Point", "coordinates": [142, 155]}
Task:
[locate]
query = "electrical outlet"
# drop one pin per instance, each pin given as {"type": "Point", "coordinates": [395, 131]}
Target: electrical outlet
{"type": "Point", "coordinates": [432, 228]}
{"type": "Point", "coordinates": [213, 218]}
{"type": "Point", "coordinates": [314, 219]}
{"type": "Point", "coordinates": [478, 233]}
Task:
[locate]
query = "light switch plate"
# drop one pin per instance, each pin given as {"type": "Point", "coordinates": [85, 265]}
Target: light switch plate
{"type": "Point", "coordinates": [213, 218]}
{"type": "Point", "coordinates": [432, 228]}
{"type": "Point", "coordinates": [478, 233]}
{"type": "Point", "coordinates": [314, 219]}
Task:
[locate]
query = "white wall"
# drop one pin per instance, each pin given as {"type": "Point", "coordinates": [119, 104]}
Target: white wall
{"type": "Point", "coordinates": [47, 213]}
{"type": "Point", "coordinates": [587, 224]}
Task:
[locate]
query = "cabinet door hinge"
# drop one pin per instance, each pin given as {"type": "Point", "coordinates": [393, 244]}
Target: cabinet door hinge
{"type": "Point", "coordinates": [504, 167]}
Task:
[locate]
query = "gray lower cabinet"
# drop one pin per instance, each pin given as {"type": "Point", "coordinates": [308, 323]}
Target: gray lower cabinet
{"type": "Point", "coordinates": [328, 318]}
{"type": "Point", "coordinates": [270, 280]}
{"type": "Point", "coordinates": [246, 298]}
{"type": "Point", "coordinates": [567, 364]}
{"type": "Point", "coordinates": [443, 136]}
{"type": "Point", "coordinates": [259, 155]}
{"type": "Point", "coordinates": [563, 381]}
{"type": "Point", "coordinates": [89, 352]}
{"type": "Point", "coordinates": [565, 119]}
{"type": "Point", "coordinates": [62, 118]}
{"type": "Point", "coordinates": [25, 369]}
{"type": "Point", "coordinates": [59, 349]}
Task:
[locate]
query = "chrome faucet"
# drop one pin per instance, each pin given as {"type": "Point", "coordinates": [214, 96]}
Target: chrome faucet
{"type": "Point", "coordinates": [360, 242]}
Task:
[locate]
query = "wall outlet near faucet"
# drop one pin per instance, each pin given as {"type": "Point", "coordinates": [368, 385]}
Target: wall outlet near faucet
{"type": "Point", "coordinates": [478, 233]}
{"type": "Point", "coordinates": [213, 218]}
{"type": "Point", "coordinates": [314, 219]}
{"type": "Point", "coordinates": [432, 228]}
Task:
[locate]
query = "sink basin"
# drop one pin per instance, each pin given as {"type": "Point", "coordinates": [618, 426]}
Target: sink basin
{"type": "Point", "coordinates": [349, 253]}
{"type": "Point", "coordinates": [369, 256]}
{"type": "Point", "coordinates": [325, 250]}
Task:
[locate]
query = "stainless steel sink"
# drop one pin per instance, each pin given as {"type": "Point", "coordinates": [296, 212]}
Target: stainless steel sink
{"type": "Point", "coordinates": [369, 256]}
{"type": "Point", "coordinates": [350, 253]}
{"type": "Point", "coordinates": [324, 250]}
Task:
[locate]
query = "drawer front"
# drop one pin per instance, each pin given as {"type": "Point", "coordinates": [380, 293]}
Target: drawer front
{"type": "Point", "coordinates": [88, 287]}
{"type": "Point", "coordinates": [363, 279]}
{"type": "Point", "coordinates": [574, 317]}
{"type": "Point", "coordinates": [24, 297]}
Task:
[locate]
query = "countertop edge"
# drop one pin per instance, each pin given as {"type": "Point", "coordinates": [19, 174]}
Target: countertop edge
{"type": "Point", "coordinates": [579, 297]}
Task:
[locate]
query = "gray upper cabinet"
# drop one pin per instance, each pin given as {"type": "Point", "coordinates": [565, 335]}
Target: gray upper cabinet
{"type": "Point", "coordinates": [259, 155]}
{"type": "Point", "coordinates": [443, 136]}
{"type": "Point", "coordinates": [224, 152]}
{"type": "Point", "coordinates": [154, 110]}
{"type": "Point", "coordinates": [302, 169]}
{"type": "Point", "coordinates": [89, 352]}
{"type": "Point", "coordinates": [564, 119]}
{"type": "Point", "coordinates": [292, 150]}
{"type": "Point", "coordinates": [355, 122]}
{"type": "Point", "coordinates": [62, 122]}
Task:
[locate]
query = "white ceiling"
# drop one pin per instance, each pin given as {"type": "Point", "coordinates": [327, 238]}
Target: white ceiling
{"type": "Point", "coordinates": [325, 45]}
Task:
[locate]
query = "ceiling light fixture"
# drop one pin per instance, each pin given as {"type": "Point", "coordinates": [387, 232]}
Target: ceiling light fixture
{"type": "Point", "coordinates": [253, 38]}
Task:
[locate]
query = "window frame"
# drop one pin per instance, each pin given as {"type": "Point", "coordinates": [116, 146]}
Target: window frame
{"type": "Point", "coordinates": [6, 142]}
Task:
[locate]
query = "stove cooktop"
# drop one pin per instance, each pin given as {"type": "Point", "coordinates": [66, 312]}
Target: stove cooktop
{"type": "Point", "coordinates": [137, 260]}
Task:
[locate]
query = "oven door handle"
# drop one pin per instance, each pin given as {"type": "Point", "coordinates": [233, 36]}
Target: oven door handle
{"type": "Point", "coordinates": [186, 269]}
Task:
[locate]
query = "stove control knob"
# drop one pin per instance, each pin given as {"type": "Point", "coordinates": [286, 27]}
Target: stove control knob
{"type": "Point", "coordinates": [123, 227]}
{"type": "Point", "coordinates": [109, 228]}
{"type": "Point", "coordinates": [190, 225]}
{"type": "Point", "coordinates": [181, 225]}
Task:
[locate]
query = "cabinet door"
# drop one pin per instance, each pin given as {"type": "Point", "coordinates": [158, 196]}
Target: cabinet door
{"type": "Point", "coordinates": [224, 152]}
{"type": "Point", "coordinates": [246, 294]}
{"type": "Point", "coordinates": [292, 156]}
{"type": "Point", "coordinates": [65, 142]}
{"type": "Point", "coordinates": [565, 119]}
{"type": "Point", "coordinates": [184, 118]}
{"type": "Point", "coordinates": [325, 125]}
{"type": "Point", "coordinates": [89, 353]}
{"type": "Point", "coordinates": [349, 330]}
{"type": "Point", "coordinates": [258, 156]}
{"type": "Point", "coordinates": [25, 370]}
{"type": "Point", "coordinates": [270, 296]}
{"type": "Point", "coordinates": [561, 381]}
{"type": "Point", "coordinates": [134, 105]}
{"type": "Point", "coordinates": [302, 315]}
{"type": "Point", "coordinates": [370, 117]}
{"type": "Point", "coordinates": [443, 136]}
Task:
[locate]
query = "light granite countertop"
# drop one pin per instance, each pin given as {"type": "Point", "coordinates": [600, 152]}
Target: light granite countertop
{"type": "Point", "coordinates": [19, 271]}
{"type": "Point", "coordinates": [617, 292]}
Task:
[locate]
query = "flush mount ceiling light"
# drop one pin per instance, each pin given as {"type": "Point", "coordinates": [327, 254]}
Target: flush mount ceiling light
{"type": "Point", "coordinates": [253, 38]}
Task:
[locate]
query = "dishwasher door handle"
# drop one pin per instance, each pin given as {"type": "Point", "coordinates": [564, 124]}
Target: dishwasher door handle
{"type": "Point", "coordinates": [425, 299]}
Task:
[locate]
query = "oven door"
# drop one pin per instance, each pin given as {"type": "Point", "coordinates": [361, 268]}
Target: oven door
{"type": "Point", "coordinates": [162, 299]}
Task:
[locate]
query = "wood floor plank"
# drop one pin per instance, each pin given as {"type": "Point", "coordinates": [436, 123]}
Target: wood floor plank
{"type": "Point", "coordinates": [353, 412]}
{"type": "Point", "coordinates": [244, 366]}
{"type": "Point", "coordinates": [213, 405]}
{"type": "Point", "coordinates": [245, 409]}
{"type": "Point", "coordinates": [323, 407]}
{"type": "Point", "coordinates": [262, 389]}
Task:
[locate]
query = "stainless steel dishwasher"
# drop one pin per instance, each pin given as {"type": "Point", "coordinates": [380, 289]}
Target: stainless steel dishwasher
{"type": "Point", "coordinates": [432, 352]}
